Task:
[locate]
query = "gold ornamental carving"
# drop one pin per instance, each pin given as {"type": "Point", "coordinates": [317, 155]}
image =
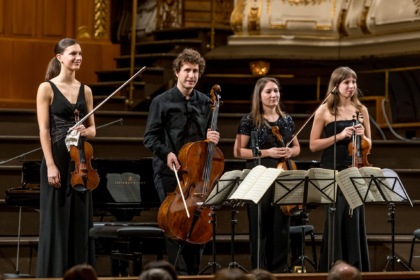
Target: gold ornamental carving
{"type": "Point", "coordinates": [303, 2]}
{"type": "Point", "coordinates": [101, 14]}
{"type": "Point", "coordinates": [417, 3]}
{"type": "Point", "coordinates": [237, 16]}
{"type": "Point", "coordinates": [169, 14]}
{"type": "Point", "coordinates": [254, 16]}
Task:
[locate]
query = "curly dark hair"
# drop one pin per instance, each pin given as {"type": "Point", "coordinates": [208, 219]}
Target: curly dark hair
{"type": "Point", "coordinates": [190, 56]}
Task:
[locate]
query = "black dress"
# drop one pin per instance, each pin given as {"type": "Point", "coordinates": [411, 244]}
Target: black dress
{"type": "Point", "coordinates": [65, 214]}
{"type": "Point", "coordinates": [350, 242]}
{"type": "Point", "coordinates": [275, 225]}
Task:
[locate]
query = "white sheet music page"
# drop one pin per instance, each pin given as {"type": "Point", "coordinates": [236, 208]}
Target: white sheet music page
{"type": "Point", "coordinates": [256, 183]}
{"type": "Point", "coordinates": [386, 188]}
{"type": "Point", "coordinates": [323, 179]}
{"type": "Point", "coordinates": [287, 190]}
{"type": "Point", "coordinates": [221, 191]}
{"type": "Point", "coordinates": [348, 186]}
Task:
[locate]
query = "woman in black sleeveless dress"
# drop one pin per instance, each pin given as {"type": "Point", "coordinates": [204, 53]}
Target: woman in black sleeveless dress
{"type": "Point", "coordinates": [350, 243]}
{"type": "Point", "coordinates": [275, 225]}
{"type": "Point", "coordinates": [65, 214]}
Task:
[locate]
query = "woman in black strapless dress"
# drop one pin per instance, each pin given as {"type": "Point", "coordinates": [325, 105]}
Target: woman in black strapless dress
{"type": "Point", "coordinates": [350, 243]}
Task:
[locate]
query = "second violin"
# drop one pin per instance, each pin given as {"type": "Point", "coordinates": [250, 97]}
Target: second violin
{"type": "Point", "coordinates": [286, 164]}
{"type": "Point", "coordinates": [359, 148]}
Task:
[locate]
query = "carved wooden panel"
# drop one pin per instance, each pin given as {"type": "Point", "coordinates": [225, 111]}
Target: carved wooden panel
{"type": "Point", "coordinates": [23, 21]}
{"type": "Point", "coordinates": [53, 16]}
{"type": "Point", "coordinates": [2, 18]}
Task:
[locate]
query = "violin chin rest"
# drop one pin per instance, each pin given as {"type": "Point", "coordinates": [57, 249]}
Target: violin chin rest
{"type": "Point", "coordinates": [80, 188]}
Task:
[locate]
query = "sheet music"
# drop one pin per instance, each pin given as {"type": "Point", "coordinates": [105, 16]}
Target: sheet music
{"type": "Point", "coordinates": [324, 180]}
{"type": "Point", "coordinates": [284, 185]}
{"type": "Point", "coordinates": [386, 188]}
{"type": "Point", "coordinates": [349, 190]}
{"type": "Point", "coordinates": [256, 183]}
{"type": "Point", "coordinates": [394, 180]}
{"type": "Point", "coordinates": [224, 187]}
{"type": "Point", "coordinates": [290, 186]}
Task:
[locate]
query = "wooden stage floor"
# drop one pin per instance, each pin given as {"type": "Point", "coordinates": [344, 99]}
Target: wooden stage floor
{"type": "Point", "coordinates": [397, 275]}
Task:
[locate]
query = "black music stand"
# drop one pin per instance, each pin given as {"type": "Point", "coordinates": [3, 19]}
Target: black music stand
{"type": "Point", "coordinates": [218, 197]}
{"type": "Point", "coordinates": [17, 273]}
{"type": "Point", "coordinates": [305, 187]}
{"type": "Point", "coordinates": [387, 189]}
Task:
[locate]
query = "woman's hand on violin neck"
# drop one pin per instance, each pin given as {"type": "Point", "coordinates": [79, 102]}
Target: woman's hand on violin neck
{"type": "Point", "coordinates": [172, 160]}
{"type": "Point", "coordinates": [213, 136]}
{"type": "Point", "coordinates": [54, 179]}
{"type": "Point", "coordinates": [82, 130]}
{"type": "Point", "coordinates": [346, 133]}
{"type": "Point", "coordinates": [279, 152]}
{"type": "Point", "coordinates": [360, 129]}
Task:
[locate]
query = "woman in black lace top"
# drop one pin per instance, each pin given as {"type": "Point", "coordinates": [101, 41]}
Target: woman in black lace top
{"type": "Point", "coordinates": [265, 114]}
{"type": "Point", "coordinates": [350, 243]}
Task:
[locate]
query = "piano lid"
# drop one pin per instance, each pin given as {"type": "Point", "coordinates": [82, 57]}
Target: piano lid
{"type": "Point", "coordinates": [124, 184]}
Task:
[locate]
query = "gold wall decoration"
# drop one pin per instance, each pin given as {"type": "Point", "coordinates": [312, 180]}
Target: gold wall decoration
{"type": "Point", "coordinates": [169, 14]}
{"type": "Point", "coordinates": [83, 32]}
{"type": "Point", "coordinates": [304, 2]}
{"type": "Point", "coordinates": [101, 15]}
{"type": "Point", "coordinates": [320, 18]}
{"type": "Point", "coordinates": [259, 68]}
{"type": "Point", "coordinates": [254, 16]}
{"type": "Point", "coordinates": [417, 3]}
{"type": "Point", "coordinates": [237, 16]}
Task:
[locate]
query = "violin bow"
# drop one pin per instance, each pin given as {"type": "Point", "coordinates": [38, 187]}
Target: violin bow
{"type": "Point", "coordinates": [313, 114]}
{"type": "Point", "coordinates": [37, 149]}
{"type": "Point", "coordinates": [106, 99]}
{"type": "Point", "coordinates": [180, 190]}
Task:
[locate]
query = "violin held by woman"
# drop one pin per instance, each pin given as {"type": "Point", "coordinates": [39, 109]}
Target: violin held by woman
{"type": "Point", "coordinates": [84, 177]}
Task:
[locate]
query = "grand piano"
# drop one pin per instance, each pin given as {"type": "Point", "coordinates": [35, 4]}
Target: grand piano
{"type": "Point", "coordinates": [125, 189]}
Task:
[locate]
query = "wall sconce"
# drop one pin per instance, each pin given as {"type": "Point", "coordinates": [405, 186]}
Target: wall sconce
{"type": "Point", "coordinates": [259, 68]}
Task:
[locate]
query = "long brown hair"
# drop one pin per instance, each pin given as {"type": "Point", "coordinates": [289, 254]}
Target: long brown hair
{"type": "Point", "coordinates": [257, 108]}
{"type": "Point", "coordinates": [337, 76]}
{"type": "Point", "coordinates": [54, 66]}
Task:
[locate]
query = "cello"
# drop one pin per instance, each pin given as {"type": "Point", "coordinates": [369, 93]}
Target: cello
{"type": "Point", "coordinates": [202, 164]}
{"type": "Point", "coordinates": [286, 164]}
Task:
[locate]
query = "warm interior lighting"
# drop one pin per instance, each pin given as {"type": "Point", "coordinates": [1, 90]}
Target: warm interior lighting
{"type": "Point", "coordinates": [259, 68]}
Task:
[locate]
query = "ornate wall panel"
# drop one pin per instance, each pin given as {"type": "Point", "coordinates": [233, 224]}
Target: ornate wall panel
{"type": "Point", "coordinates": [385, 17]}
{"type": "Point", "coordinates": [54, 18]}
{"type": "Point", "coordinates": [339, 28]}
{"type": "Point", "coordinates": [300, 18]}
{"type": "Point", "coordinates": [354, 20]}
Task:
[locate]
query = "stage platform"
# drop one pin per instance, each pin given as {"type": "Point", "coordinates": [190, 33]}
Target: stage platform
{"type": "Point", "coordinates": [286, 276]}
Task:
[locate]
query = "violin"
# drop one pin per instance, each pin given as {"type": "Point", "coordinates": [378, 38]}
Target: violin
{"type": "Point", "coordinates": [359, 148]}
{"type": "Point", "coordinates": [84, 177]}
{"type": "Point", "coordinates": [202, 164]}
{"type": "Point", "coordinates": [286, 164]}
